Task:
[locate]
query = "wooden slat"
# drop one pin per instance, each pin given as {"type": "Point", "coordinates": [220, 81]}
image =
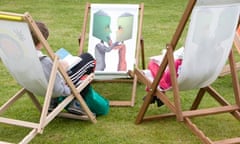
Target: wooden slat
{"type": "Point", "coordinates": [121, 103]}
{"type": "Point", "coordinates": [209, 111]}
{"type": "Point", "coordinates": [18, 122]}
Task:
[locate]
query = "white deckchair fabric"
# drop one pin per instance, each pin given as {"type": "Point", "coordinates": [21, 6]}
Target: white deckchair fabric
{"type": "Point", "coordinates": [207, 45]}
{"type": "Point", "coordinates": [16, 45]}
{"type": "Point", "coordinates": [216, 2]}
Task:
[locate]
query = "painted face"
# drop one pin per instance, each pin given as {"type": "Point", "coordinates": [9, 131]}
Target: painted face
{"type": "Point", "coordinates": [125, 27]}
{"type": "Point", "coordinates": [101, 26]}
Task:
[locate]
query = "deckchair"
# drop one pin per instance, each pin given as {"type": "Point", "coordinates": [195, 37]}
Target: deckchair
{"type": "Point", "coordinates": [19, 56]}
{"type": "Point", "coordinates": [226, 69]}
{"type": "Point", "coordinates": [105, 21]}
{"type": "Point", "coordinates": [207, 47]}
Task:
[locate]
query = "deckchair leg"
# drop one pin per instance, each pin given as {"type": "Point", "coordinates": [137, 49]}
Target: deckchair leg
{"type": "Point", "coordinates": [198, 99]}
{"type": "Point", "coordinates": [12, 100]}
{"type": "Point", "coordinates": [134, 91]}
{"type": "Point", "coordinates": [143, 109]}
{"type": "Point", "coordinates": [86, 109]}
{"type": "Point", "coordinates": [29, 137]}
{"type": "Point", "coordinates": [197, 131]}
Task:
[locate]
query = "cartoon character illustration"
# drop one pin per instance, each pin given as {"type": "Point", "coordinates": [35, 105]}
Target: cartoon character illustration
{"type": "Point", "coordinates": [102, 31]}
{"type": "Point", "coordinates": [124, 32]}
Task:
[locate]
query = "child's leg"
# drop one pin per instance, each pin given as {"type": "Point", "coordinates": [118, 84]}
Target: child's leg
{"type": "Point", "coordinates": [77, 74]}
{"type": "Point", "coordinates": [88, 63]}
{"type": "Point", "coordinates": [83, 68]}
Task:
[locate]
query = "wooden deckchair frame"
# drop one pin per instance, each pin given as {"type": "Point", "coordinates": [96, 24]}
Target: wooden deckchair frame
{"type": "Point", "coordinates": [139, 53]}
{"type": "Point", "coordinates": [175, 106]}
{"type": "Point", "coordinates": [46, 117]}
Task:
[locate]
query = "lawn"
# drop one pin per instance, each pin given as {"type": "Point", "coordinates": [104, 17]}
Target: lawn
{"type": "Point", "coordinates": [65, 19]}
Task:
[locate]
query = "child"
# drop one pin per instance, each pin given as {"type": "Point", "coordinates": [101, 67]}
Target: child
{"type": "Point", "coordinates": [84, 67]}
{"type": "Point", "coordinates": [165, 82]}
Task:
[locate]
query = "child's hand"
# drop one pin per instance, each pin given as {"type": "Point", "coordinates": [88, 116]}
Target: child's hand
{"type": "Point", "coordinates": [64, 64]}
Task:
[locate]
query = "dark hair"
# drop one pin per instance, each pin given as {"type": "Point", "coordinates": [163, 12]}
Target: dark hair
{"type": "Point", "coordinates": [43, 29]}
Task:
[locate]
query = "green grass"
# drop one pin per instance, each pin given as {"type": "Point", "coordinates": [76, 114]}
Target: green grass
{"type": "Point", "coordinates": [64, 19]}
